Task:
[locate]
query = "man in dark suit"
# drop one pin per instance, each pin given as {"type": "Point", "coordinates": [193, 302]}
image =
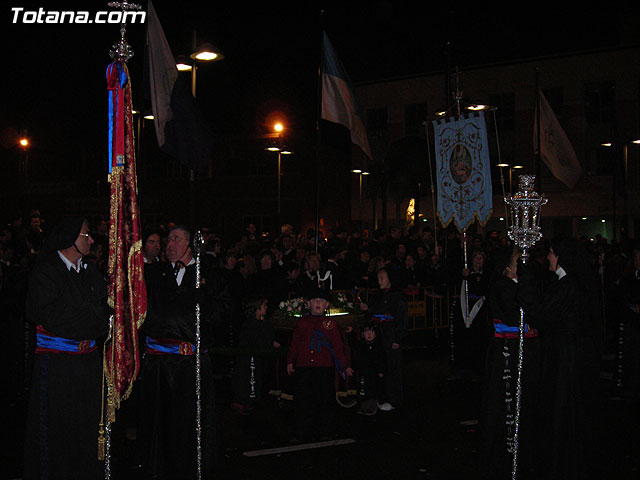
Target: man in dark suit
{"type": "Point", "coordinates": [169, 374]}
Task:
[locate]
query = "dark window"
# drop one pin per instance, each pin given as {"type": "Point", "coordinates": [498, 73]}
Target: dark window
{"type": "Point", "coordinates": [414, 117]}
{"type": "Point", "coordinates": [600, 103]}
{"type": "Point", "coordinates": [376, 120]}
{"type": "Point", "coordinates": [505, 110]}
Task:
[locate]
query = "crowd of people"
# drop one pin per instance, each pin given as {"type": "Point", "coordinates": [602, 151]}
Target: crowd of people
{"type": "Point", "coordinates": [560, 291]}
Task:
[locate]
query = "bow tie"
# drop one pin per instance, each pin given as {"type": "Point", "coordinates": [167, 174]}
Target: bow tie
{"type": "Point", "coordinates": [177, 266]}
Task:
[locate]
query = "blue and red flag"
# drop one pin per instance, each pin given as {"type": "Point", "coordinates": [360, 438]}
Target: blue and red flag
{"type": "Point", "coordinates": [127, 291]}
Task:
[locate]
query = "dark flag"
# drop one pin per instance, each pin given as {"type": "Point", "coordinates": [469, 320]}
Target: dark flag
{"type": "Point", "coordinates": [180, 127]}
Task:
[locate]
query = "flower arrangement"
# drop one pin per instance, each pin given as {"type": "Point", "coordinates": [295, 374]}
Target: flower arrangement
{"type": "Point", "coordinates": [343, 301]}
{"type": "Point", "coordinates": [340, 304]}
{"type": "Point", "coordinates": [293, 307]}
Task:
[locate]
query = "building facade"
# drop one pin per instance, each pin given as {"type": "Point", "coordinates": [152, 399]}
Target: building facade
{"type": "Point", "coordinates": [594, 95]}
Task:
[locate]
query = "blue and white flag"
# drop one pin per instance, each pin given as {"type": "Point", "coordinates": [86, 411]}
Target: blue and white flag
{"type": "Point", "coordinates": [180, 127]}
{"type": "Point", "coordinates": [339, 103]}
{"type": "Point", "coordinates": [463, 170]}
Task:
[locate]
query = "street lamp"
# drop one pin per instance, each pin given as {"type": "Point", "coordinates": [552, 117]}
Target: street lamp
{"type": "Point", "coordinates": [278, 146]}
{"type": "Point", "coordinates": [183, 63]}
{"type": "Point", "coordinates": [206, 52]}
{"type": "Point", "coordinates": [511, 169]}
{"type": "Point", "coordinates": [203, 53]}
{"type": "Point", "coordinates": [25, 144]}
{"type": "Point", "coordinates": [627, 223]}
{"type": "Point", "coordinates": [360, 174]}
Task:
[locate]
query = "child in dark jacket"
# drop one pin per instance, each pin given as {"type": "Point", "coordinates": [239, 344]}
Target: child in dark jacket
{"type": "Point", "coordinates": [257, 340]}
{"type": "Point", "coordinates": [369, 363]}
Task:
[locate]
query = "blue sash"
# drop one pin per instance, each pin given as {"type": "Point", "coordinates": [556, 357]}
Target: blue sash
{"type": "Point", "coordinates": [53, 344]}
{"type": "Point", "coordinates": [503, 328]}
{"type": "Point", "coordinates": [171, 347]}
{"type": "Point", "coordinates": [319, 340]}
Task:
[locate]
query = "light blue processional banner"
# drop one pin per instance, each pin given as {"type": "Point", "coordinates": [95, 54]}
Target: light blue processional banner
{"type": "Point", "coordinates": [463, 170]}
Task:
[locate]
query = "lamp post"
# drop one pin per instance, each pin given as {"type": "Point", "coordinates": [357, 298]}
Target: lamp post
{"type": "Point", "coordinates": [511, 169]}
{"type": "Point", "coordinates": [25, 144]}
{"type": "Point", "coordinates": [279, 147]}
{"type": "Point", "coordinates": [200, 53]}
{"type": "Point", "coordinates": [204, 52]}
{"type": "Point", "coordinates": [627, 223]}
{"type": "Point", "coordinates": [360, 173]}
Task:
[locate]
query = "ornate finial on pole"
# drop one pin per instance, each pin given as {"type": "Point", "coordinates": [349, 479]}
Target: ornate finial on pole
{"type": "Point", "coordinates": [525, 214]}
{"type": "Point", "coordinates": [525, 232]}
{"type": "Point", "coordinates": [122, 50]}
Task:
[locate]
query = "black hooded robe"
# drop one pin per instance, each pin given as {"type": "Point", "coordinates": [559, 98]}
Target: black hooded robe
{"type": "Point", "coordinates": [61, 438]}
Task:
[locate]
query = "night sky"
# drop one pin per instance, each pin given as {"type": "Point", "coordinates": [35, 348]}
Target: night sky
{"type": "Point", "coordinates": [54, 84]}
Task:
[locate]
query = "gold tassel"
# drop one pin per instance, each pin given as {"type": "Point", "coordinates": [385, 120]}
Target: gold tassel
{"type": "Point", "coordinates": [101, 442]}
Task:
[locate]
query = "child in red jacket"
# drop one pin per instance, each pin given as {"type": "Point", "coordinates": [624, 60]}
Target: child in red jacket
{"type": "Point", "coordinates": [316, 349]}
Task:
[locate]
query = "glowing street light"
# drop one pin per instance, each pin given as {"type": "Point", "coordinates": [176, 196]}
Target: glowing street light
{"type": "Point", "coordinates": [24, 142]}
{"type": "Point", "coordinates": [511, 169]}
{"type": "Point", "coordinates": [206, 52]}
{"type": "Point", "coordinates": [277, 146]}
{"type": "Point", "coordinates": [203, 53]}
{"type": "Point", "coordinates": [183, 63]}
{"type": "Point", "coordinates": [360, 174]}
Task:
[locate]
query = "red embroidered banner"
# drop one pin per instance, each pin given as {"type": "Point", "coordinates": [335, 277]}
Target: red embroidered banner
{"type": "Point", "coordinates": [127, 291]}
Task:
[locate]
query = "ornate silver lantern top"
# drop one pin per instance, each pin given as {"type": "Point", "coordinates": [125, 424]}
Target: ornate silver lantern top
{"type": "Point", "coordinates": [525, 214]}
{"type": "Point", "coordinates": [122, 51]}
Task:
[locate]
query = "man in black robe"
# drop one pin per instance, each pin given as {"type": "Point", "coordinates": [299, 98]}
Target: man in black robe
{"type": "Point", "coordinates": [168, 377]}
{"type": "Point", "coordinates": [471, 336]}
{"type": "Point", "coordinates": [388, 308]}
{"type": "Point", "coordinates": [66, 301]}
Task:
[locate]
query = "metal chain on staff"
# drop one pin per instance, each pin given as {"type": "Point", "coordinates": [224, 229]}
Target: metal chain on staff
{"type": "Point", "coordinates": [508, 399]}
{"type": "Point", "coordinates": [525, 232]}
{"type": "Point", "coordinates": [252, 378]}
{"type": "Point", "coordinates": [198, 243]}
{"type": "Point", "coordinates": [516, 433]}
{"type": "Point", "coordinates": [466, 282]}
{"type": "Point", "coordinates": [452, 345]}
{"type": "Point", "coordinates": [619, 369]}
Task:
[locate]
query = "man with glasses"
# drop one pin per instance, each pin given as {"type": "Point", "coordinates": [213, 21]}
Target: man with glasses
{"type": "Point", "coordinates": [67, 303]}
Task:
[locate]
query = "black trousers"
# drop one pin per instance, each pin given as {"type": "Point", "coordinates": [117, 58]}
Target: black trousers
{"type": "Point", "coordinates": [314, 402]}
{"type": "Point", "coordinates": [168, 416]}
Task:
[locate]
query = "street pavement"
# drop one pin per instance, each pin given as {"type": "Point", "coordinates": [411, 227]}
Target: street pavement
{"type": "Point", "coordinates": [433, 436]}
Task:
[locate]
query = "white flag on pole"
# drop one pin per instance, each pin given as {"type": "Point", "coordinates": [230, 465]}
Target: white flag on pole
{"type": "Point", "coordinates": [555, 148]}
